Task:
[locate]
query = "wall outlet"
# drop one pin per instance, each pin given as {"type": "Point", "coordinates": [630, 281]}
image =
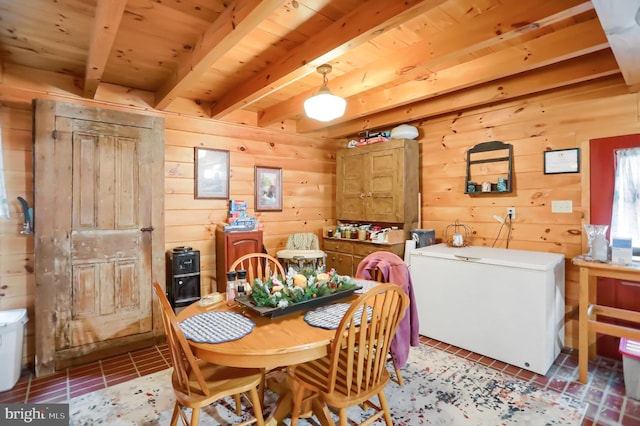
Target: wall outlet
{"type": "Point", "coordinates": [511, 212]}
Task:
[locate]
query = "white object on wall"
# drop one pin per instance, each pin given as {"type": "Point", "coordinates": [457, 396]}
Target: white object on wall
{"type": "Point", "coordinates": [502, 303]}
{"type": "Point", "coordinates": [4, 202]}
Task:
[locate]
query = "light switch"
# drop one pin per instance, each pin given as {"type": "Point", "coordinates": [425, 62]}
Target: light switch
{"type": "Point", "coordinates": [561, 206]}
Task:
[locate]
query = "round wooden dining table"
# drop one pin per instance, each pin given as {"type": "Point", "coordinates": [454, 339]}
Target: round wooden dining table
{"type": "Point", "coordinates": [274, 342]}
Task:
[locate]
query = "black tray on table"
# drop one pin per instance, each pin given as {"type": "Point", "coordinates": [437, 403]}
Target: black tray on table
{"type": "Point", "coordinates": [270, 312]}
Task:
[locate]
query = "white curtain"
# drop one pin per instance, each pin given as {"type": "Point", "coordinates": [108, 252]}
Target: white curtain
{"type": "Point", "coordinates": [4, 203]}
{"type": "Point", "coordinates": [625, 217]}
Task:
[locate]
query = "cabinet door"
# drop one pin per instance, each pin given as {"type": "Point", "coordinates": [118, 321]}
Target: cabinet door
{"type": "Point", "coordinates": [370, 184]}
{"type": "Point", "coordinates": [385, 193]}
{"type": "Point", "coordinates": [350, 186]}
{"type": "Point", "coordinates": [341, 262]}
{"type": "Point", "coordinates": [229, 247]}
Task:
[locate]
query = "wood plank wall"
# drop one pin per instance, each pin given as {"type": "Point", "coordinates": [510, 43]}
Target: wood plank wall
{"type": "Point", "coordinates": [308, 165]}
{"type": "Point", "coordinates": [564, 118]}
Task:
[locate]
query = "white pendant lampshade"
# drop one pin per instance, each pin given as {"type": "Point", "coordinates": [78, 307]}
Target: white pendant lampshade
{"type": "Point", "coordinates": [324, 105]}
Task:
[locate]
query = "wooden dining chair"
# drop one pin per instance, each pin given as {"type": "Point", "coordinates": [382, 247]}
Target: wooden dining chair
{"type": "Point", "coordinates": [258, 265]}
{"type": "Point", "coordinates": [197, 383]}
{"type": "Point", "coordinates": [354, 371]}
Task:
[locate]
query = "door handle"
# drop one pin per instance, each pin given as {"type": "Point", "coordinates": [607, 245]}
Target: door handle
{"type": "Point", "coordinates": [147, 229]}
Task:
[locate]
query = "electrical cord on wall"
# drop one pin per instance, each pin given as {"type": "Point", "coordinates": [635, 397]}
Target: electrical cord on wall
{"type": "Point", "coordinates": [502, 222]}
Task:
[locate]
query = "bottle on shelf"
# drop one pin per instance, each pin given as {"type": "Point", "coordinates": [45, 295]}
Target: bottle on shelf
{"type": "Point", "coordinates": [231, 287]}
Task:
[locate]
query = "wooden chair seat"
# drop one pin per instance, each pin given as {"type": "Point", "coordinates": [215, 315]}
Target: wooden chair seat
{"type": "Point", "coordinates": [197, 383]}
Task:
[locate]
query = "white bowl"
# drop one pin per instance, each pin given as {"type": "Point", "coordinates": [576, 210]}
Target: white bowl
{"type": "Point", "coordinates": [404, 131]}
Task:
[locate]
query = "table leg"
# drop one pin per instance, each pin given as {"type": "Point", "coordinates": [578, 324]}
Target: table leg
{"type": "Point", "coordinates": [583, 331]}
{"type": "Point", "coordinates": [586, 338]}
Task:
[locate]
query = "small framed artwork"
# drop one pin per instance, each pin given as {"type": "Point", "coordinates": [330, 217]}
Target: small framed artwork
{"type": "Point", "coordinates": [211, 173]}
{"type": "Point", "coordinates": [562, 161]}
{"type": "Point", "coordinates": [268, 189]}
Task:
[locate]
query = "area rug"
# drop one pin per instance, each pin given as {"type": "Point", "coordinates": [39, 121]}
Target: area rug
{"type": "Point", "coordinates": [439, 389]}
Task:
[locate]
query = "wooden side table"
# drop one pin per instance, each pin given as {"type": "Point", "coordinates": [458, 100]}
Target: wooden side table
{"type": "Point", "coordinates": [589, 310]}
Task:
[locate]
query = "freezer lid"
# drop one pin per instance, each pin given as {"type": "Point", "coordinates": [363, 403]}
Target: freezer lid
{"type": "Point", "coordinates": [493, 256]}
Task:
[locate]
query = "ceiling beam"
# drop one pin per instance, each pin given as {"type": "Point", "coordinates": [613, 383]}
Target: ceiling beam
{"type": "Point", "coordinates": [513, 18]}
{"type": "Point", "coordinates": [108, 17]}
{"type": "Point", "coordinates": [560, 45]}
{"type": "Point", "coordinates": [359, 26]}
{"type": "Point", "coordinates": [577, 70]}
{"type": "Point", "coordinates": [621, 23]}
{"type": "Point", "coordinates": [233, 24]}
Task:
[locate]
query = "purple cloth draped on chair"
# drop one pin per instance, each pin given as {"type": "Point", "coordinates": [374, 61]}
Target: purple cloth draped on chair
{"type": "Point", "coordinates": [394, 270]}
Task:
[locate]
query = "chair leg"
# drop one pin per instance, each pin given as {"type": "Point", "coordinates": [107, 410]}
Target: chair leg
{"type": "Point", "coordinates": [385, 408]}
{"type": "Point", "coordinates": [238, 402]}
{"type": "Point", "coordinates": [257, 406]}
{"type": "Point", "coordinates": [398, 375]}
{"type": "Point", "coordinates": [298, 394]}
{"type": "Point", "coordinates": [344, 420]}
{"type": "Point", "coordinates": [176, 413]}
{"type": "Point", "coordinates": [195, 416]}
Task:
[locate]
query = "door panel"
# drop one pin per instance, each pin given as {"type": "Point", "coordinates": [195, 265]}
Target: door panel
{"type": "Point", "coordinates": [95, 264]}
{"type": "Point", "coordinates": [610, 292]}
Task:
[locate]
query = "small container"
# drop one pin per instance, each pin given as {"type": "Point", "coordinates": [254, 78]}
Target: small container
{"type": "Point", "coordinates": [486, 186]}
{"type": "Point", "coordinates": [471, 186]}
{"type": "Point", "coordinates": [242, 286]}
{"type": "Point", "coordinates": [330, 233]}
{"type": "Point", "coordinates": [630, 351]}
{"type": "Point", "coordinates": [231, 287]}
{"type": "Point", "coordinates": [502, 185]}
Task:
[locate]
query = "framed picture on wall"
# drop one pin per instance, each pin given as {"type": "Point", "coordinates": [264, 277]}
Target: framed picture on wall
{"type": "Point", "coordinates": [211, 173]}
{"type": "Point", "coordinates": [562, 161]}
{"type": "Point", "coordinates": [268, 188]}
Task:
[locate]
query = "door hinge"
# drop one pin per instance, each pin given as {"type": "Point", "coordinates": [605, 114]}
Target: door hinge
{"type": "Point", "coordinates": [147, 229]}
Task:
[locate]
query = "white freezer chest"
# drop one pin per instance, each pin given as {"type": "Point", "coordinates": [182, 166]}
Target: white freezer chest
{"type": "Point", "coordinates": [503, 303]}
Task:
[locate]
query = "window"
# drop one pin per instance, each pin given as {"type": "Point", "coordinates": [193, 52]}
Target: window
{"type": "Point", "coordinates": [625, 214]}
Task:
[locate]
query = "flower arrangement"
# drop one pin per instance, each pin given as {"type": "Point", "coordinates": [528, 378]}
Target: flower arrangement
{"type": "Point", "coordinates": [278, 292]}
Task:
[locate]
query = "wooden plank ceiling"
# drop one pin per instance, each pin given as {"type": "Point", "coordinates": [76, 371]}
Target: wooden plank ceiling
{"type": "Point", "coordinates": [255, 61]}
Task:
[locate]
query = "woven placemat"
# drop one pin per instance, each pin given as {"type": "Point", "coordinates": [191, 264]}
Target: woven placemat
{"type": "Point", "coordinates": [329, 316]}
{"type": "Point", "coordinates": [366, 285]}
{"type": "Point", "coordinates": [216, 327]}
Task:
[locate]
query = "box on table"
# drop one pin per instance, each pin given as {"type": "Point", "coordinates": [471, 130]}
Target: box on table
{"type": "Point", "coordinates": [630, 350]}
{"type": "Point", "coordinates": [621, 251]}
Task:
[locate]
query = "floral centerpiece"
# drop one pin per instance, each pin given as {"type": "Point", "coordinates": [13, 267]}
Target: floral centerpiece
{"type": "Point", "coordinates": [298, 287]}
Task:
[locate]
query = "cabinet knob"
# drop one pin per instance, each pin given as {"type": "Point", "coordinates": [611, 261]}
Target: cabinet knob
{"type": "Point", "coordinates": [362, 195]}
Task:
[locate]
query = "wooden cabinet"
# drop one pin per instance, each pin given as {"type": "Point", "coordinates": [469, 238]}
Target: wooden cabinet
{"type": "Point", "coordinates": [375, 184]}
{"type": "Point", "coordinates": [378, 183]}
{"type": "Point", "coordinates": [345, 255]}
{"type": "Point", "coordinates": [229, 247]}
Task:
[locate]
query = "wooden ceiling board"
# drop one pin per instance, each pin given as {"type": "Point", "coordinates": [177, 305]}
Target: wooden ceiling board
{"type": "Point", "coordinates": [251, 58]}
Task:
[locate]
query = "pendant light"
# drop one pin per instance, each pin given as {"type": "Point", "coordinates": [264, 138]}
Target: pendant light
{"type": "Point", "coordinates": [324, 105]}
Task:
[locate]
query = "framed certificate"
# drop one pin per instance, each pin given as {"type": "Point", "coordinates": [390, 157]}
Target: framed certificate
{"type": "Point", "coordinates": [562, 161]}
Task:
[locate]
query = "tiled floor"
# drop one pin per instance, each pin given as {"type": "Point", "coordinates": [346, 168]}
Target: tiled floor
{"type": "Point", "coordinates": [605, 391]}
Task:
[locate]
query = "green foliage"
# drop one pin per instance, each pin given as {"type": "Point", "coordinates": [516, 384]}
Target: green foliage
{"type": "Point", "coordinates": [275, 292]}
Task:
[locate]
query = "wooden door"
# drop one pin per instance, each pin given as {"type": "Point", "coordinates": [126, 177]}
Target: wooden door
{"type": "Point", "coordinates": [384, 175]}
{"type": "Point", "coordinates": [99, 239]}
{"type": "Point", "coordinates": [610, 292]}
{"type": "Point", "coordinates": [351, 185]}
